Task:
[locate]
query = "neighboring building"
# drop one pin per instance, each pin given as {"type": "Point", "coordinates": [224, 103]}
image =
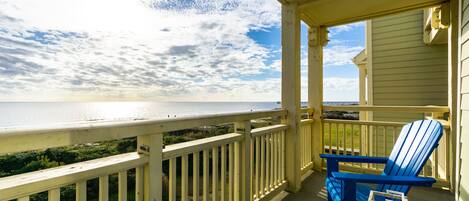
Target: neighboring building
{"type": "Point", "coordinates": [403, 65]}
{"type": "Point", "coordinates": [400, 68]}
{"type": "Point", "coordinates": [463, 125]}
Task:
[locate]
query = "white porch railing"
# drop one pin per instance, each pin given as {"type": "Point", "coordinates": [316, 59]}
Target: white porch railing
{"type": "Point", "coordinates": [248, 164]}
{"type": "Point", "coordinates": [377, 138]}
{"type": "Point", "coordinates": [306, 137]}
{"type": "Point", "coordinates": [244, 165]}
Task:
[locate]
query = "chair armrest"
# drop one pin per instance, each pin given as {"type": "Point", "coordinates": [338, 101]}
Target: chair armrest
{"type": "Point", "coordinates": [384, 179]}
{"type": "Point", "coordinates": [355, 159]}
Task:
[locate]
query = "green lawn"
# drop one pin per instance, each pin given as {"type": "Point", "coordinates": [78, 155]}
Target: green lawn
{"type": "Point", "coordinates": [336, 135]}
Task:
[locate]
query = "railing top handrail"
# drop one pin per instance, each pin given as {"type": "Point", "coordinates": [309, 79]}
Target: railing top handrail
{"type": "Point", "coordinates": [42, 180]}
{"type": "Point", "coordinates": [360, 122]}
{"type": "Point", "coordinates": [179, 149]}
{"type": "Point", "coordinates": [444, 123]}
{"type": "Point", "coordinates": [34, 182]}
{"type": "Point", "coordinates": [382, 108]}
{"type": "Point", "coordinates": [16, 140]}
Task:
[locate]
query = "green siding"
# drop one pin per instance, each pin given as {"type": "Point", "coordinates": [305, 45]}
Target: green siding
{"type": "Point", "coordinates": [464, 137]}
{"type": "Point", "coordinates": [405, 70]}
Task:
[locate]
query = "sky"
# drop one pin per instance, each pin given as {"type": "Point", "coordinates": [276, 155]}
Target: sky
{"type": "Point", "coordinates": [158, 50]}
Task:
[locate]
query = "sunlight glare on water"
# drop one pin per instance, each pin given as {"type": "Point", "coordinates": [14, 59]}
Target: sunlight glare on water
{"type": "Point", "coordinates": [27, 114]}
{"type": "Point", "coordinates": [117, 110]}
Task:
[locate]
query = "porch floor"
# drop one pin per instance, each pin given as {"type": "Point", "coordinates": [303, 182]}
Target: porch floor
{"type": "Point", "coordinates": [313, 190]}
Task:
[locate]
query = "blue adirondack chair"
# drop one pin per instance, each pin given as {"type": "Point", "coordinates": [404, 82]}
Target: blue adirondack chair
{"type": "Point", "coordinates": [409, 155]}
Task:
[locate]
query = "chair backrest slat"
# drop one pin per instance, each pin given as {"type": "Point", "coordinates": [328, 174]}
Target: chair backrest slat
{"type": "Point", "coordinates": [413, 147]}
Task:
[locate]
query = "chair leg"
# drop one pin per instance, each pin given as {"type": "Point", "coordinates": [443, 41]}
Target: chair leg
{"type": "Point", "coordinates": [349, 190]}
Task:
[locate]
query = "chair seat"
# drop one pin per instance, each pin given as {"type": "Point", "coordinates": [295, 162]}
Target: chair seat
{"type": "Point", "coordinates": [334, 187]}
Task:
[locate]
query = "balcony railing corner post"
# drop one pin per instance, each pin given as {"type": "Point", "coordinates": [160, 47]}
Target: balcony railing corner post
{"type": "Point", "coordinates": [152, 146]}
{"type": "Point", "coordinates": [243, 177]}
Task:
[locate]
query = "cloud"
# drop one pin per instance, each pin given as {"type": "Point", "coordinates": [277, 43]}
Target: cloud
{"type": "Point", "coordinates": [340, 51]}
{"type": "Point", "coordinates": [334, 31]}
{"type": "Point", "coordinates": [341, 89]}
{"type": "Point", "coordinates": [337, 55]}
{"type": "Point", "coordinates": [158, 50]}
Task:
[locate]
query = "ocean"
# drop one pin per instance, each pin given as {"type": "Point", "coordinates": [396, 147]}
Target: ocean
{"type": "Point", "coordinates": [33, 114]}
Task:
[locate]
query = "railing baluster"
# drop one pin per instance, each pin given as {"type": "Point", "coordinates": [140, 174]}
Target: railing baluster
{"type": "Point", "coordinates": [424, 171]}
{"type": "Point", "coordinates": [104, 188]}
{"type": "Point", "coordinates": [231, 172]}
{"type": "Point", "coordinates": [262, 176]}
{"type": "Point", "coordinates": [323, 140]}
{"type": "Point", "coordinates": [275, 158]}
{"type": "Point", "coordinates": [257, 184]}
{"type": "Point", "coordinates": [184, 177]}
{"type": "Point", "coordinates": [139, 183]}
{"type": "Point", "coordinates": [303, 142]}
{"type": "Point", "coordinates": [275, 149]}
{"type": "Point", "coordinates": [122, 186]}
{"type": "Point", "coordinates": [375, 146]}
{"type": "Point", "coordinates": [26, 198]}
{"type": "Point", "coordinates": [307, 149]}
{"type": "Point", "coordinates": [360, 143]}
{"type": "Point", "coordinates": [368, 141]}
{"type": "Point", "coordinates": [311, 142]}
{"type": "Point", "coordinates": [251, 167]}
{"type": "Point", "coordinates": [267, 164]}
{"type": "Point", "coordinates": [283, 156]}
{"type": "Point", "coordinates": [237, 172]}
{"type": "Point", "coordinates": [206, 175]}
{"type": "Point", "coordinates": [195, 176]}
{"type": "Point", "coordinates": [80, 191]}
{"type": "Point", "coordinates": [215, 174]}
{"type": "Point", "coordinates": [279, 165]}
{"type": "Point", "coordinates": [448, 156]}
{"type": "Point", "coordinates": [272, 179]}
{"type": "Point", "coordinates": [53, 195]}
{"type": "Point", "coordinates": [172, 179]}
{"type": "Point", "coordinates": [330, 138]}
{"type": "Point", "coordinates": [223, 173]}
{"type": "Point", "coordinates": [352, 135]}
{"type": "Point", "coordinates": [337, 139]}
{"type": "Point", "coordinates": [344, 137]}
{"type": "Point", "coordinates": [307, 144]}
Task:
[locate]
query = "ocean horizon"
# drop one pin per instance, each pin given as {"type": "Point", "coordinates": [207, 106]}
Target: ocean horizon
{"type": "Point", "coordinates": [32, 114]}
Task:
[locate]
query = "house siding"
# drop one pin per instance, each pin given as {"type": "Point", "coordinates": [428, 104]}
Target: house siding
{"type": "Point", "coordinates": [464, 129]}
{"type": "Point", "coordinates": [405, 70]}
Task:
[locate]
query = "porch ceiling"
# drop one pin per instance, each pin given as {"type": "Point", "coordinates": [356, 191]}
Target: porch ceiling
{"type": "Point", "coordinates": [335, 12]}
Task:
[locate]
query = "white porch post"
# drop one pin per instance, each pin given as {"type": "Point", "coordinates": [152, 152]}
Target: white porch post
{"type": "Point", "coordinates": [317, 38]}
{"type": "Point", "coordinates": [363, 115]}
{"type": "Point", "coordinates": [362, 89]}
{"type": "Point", "coordinates": [291, 92]}
{"type": "Point", "coordinates": [453, 97]}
